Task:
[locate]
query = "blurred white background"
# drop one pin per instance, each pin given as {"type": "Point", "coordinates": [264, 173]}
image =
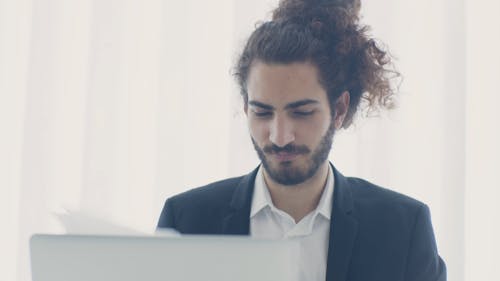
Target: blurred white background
{"type": "Point", "coordinates": [110, 106]}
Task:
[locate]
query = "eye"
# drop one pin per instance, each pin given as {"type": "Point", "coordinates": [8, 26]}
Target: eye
{"type": "Point", "coordinates": [262, 113]}
{"type": "Point", "coordinates": [301, 113]}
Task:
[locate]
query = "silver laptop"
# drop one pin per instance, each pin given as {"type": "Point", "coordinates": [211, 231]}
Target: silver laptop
{"type": "Point", "coordinates": [186, 258]}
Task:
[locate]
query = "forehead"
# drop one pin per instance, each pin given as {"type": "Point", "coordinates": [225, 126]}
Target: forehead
{"type": "Point", "coordinates": [279, 84]}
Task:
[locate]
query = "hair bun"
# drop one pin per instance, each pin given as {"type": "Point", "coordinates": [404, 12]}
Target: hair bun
{"type": "Point", "coordinates": [352, 6]}
{"type": "Point", "coordinates": [316, 12]}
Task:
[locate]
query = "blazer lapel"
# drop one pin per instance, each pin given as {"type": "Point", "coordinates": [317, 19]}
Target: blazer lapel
{"type": "Point", "coordinates": [343, 230]}
{"type": "Point", "coordinates": [237, 221]}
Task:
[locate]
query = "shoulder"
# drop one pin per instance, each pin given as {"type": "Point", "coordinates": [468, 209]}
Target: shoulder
{"type": "Point", "coordinates": [366, 192]}
{"type": "Point", "coordinates": [393, 223]}
{"type": "Point", "coordinates": [202, 210]}
{"type": "Point", "coordinates": [380, 204]}
{"type": "Point", "coordinates": [199, 210]}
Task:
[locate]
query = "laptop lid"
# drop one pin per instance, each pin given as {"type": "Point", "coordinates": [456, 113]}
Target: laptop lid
{"type": "Point", "coordinates": [186, 258]}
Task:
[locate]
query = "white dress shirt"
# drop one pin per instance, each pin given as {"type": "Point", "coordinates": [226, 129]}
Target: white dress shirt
{"type": "Point", "coordinates": [312, 232]}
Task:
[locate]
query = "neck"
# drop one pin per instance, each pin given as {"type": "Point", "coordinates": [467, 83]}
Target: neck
{"type": "Point", "coordinates": [301, 199]}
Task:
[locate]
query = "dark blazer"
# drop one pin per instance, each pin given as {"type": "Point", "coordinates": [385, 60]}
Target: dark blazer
{"type": "Point", "coordinates": [375, 234]}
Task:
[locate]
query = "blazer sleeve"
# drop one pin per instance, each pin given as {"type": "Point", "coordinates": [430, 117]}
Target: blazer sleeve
{"type": "Point", "coordinates": [167, 216]}
{"type": "Point", "coordinates": [424, 262]}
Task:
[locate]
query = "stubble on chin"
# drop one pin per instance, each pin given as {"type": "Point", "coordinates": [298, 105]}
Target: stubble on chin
{"type": "Point", "coordinates": [288, 173]}
{"type": "Point", "coordinates": [291, 173]}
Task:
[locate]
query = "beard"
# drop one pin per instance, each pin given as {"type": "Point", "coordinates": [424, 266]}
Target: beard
{"type": "Point", "coordinates": [288, 174]}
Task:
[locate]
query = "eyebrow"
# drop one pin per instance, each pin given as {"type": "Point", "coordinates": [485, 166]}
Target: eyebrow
{"type": "Point", "coordinates": [300, 103]}
{"type": "Point", "coordinates": [261, 105]}
{"type": "Point", "coordinates": [288, 106]}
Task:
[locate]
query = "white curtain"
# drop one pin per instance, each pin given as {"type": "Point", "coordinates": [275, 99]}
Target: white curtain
{"type": "Point", "coordinates": [110, 106]}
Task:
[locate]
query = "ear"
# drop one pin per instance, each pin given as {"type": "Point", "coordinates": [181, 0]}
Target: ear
{"type": "Point", "coordinates": [341, 109]}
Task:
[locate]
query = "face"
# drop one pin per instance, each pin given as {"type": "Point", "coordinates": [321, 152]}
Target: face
{"type": "Point", "coordinates": [289, 119]}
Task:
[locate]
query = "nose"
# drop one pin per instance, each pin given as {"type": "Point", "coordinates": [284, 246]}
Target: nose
{"type": "Point", "coordinates": [281, 131]}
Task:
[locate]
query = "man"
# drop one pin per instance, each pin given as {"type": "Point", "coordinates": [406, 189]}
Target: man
{"type": "Point", "coordinates": [302, 76]}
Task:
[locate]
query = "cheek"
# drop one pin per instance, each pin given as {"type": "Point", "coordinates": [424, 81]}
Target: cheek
{"type": "Point", "coordinates": [325, 121]}
{"type": "Point", "coordinates": [306, 132]}
{"type": "Point", "coordinates": [315, 127]}
{"type": "Point", "coordinates": [258, 130]}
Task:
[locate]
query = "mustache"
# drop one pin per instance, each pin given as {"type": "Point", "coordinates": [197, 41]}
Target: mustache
{"type": "Point", "coordinates": [289, 148]}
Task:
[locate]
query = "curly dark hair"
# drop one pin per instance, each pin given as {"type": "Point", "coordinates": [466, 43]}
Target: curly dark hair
{"type": "Point", "coordinates": [328, 34]}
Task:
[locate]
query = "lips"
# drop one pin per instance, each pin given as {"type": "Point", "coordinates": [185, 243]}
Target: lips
{"type": "Point", "coordinates": [285, 156]}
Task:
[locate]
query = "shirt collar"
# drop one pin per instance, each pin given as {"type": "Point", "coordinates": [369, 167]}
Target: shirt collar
{"type": "Point", "coordinates": [262, 198]}
{"type": "Point", "coordinates": [326, 202]}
